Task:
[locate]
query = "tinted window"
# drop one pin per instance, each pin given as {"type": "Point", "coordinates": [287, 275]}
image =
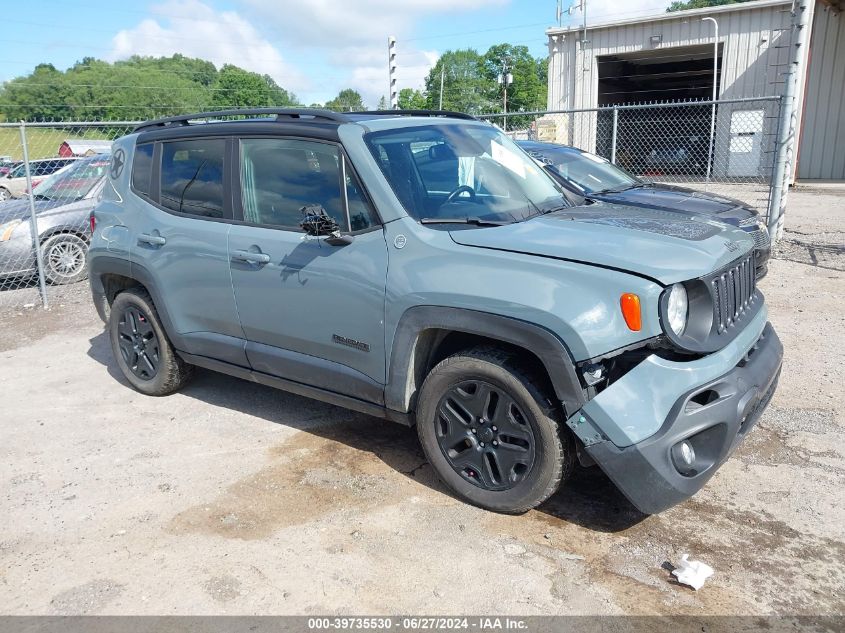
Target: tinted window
{"type": "Point", "coordinates": [46, 167]}
{"type": "Point", "coordinates": [361, 215]}
{"type": "Point", "coordinates": [141, 168]}
{"type": "Point", "coordinates": [192, 177]}
{"type": "Point", "coordinates": [279, 177]}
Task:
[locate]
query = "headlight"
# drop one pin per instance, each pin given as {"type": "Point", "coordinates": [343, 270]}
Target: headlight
{"type": "Point", "coordinates": [7, 229]}
{"type": "Point", "coordinates": [677, 309]}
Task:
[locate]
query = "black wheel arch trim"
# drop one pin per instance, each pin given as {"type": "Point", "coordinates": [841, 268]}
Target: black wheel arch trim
{"type": "Point", "coordinates": [108, 265]}
{"type": "Point", "coordinates": [552, 352]}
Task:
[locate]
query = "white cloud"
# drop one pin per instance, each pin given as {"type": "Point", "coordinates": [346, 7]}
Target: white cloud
{"type": "Point", "coordinates": [194, 29]}
{"type": "Point", "coordinates": [606, 10]}
{"type": "Point", "coordinates": [352, 36]}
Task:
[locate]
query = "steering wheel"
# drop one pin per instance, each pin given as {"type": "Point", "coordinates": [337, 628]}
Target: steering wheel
{"type": "Point", "coordinates": [459, 191]}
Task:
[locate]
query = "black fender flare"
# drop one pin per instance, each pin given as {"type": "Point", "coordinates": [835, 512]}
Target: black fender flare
{"type": "Point", "coordinates": [105, 265]}
{"type": "Point", "coordinates": [545, 345]}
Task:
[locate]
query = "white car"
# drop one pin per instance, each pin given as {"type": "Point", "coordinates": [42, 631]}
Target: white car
{"type": "Point", "coordinates": [13, 184]}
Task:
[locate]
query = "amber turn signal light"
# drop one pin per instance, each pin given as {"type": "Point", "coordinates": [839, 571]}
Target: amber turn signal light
{"type": "Point", "coordinates": [630, 304]}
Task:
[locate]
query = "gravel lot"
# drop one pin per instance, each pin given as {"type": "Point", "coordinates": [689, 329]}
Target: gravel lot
{"type": "Point", "coordinates": [232, 498]}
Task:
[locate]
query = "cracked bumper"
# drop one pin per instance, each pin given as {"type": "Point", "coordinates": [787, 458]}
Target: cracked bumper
{"type": "Point", "coordinates": [713, 413]}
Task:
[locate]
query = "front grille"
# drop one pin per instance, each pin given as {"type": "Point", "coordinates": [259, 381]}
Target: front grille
{"type": "Point", "coordinates": [761, 238]}
{"type": "Point", "coordinates": [734, 292]}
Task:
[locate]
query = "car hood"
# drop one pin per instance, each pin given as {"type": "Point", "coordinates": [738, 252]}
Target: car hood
{"type": "Point", "coordinates": [682, 200]}
{"type": "Point", "coordinates": [654, 244]}
{"type": "Point", "coordinates": [19, 209]}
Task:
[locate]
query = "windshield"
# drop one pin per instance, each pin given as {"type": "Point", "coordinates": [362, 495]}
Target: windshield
{"type": "Point", "coordinates": [456, 171]}
{"type": "Point", "coordinates": [74, 181]}
{"type": "Point", "coordinates": [588, 172]}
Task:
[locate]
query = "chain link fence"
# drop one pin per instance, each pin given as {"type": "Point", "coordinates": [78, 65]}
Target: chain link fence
{"type": "Point", "coordinates": [51, 177]}
{"type": "Point", "coordinates": [725, 147]}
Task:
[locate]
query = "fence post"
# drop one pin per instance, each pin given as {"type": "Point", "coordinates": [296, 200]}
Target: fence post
{"type": "Point", "coordinates": [33, 220]}
{"type": "Point", "coordinates": [788, 124]}
{"type": "Point", "coordinates": [613, 135]}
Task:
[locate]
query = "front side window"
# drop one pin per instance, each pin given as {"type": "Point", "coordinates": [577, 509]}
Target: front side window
{"type": "Point", "coordinates": [279, 177]}
{"type": "Point", "coordinates": [456, 171]}
{"type": "Point", "coordinates": [192, 177]}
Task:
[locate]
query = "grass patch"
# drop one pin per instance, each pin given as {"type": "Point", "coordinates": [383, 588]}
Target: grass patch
{"type": "Point", "coordinates": [45, 142]}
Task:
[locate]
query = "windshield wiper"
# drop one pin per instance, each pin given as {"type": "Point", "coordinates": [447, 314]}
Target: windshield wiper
{"type": "Point", "coordinates": [39, 196]}
{"type": "Point", "coordinates": [620, 189]}
{"type": "Point", "coordinates": [474, 221]}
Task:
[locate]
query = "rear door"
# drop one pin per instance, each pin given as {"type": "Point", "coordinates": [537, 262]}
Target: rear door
{"type": "Point", "coordinates": [311, 312]}
{"type": "Point", "coordinates": [180, 238]}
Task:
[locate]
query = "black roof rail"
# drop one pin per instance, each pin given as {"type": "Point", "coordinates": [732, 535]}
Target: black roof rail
{"type": "Point", "coordinates": [280, 113]}
{"type": "Point", "coordinates": [432, 113]}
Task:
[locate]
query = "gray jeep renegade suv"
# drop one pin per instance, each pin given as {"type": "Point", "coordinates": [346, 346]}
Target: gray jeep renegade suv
{"type": "Point", "coordinates": [420, 267]}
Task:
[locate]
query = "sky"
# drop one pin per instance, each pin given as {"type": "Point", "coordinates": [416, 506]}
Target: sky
{"type": "Point", "coordinates": [313, 48]}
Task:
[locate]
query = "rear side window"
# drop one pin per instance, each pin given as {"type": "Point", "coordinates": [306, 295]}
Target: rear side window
{"type": "Point", "coordinates": [142, 168]}
{"type": "Point", "coordinates": [192, 177]}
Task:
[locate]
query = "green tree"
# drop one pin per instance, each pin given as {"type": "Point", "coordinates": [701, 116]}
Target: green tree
{"type": "Point", "coordinates": [136, 88]}
{"type": "Point", "coordinates": [347, 100]}
{"type": "Point", "coordinates": [678, 5]}
{"type": "Point", "coordinates": [529, 87]}
{"type": "Point", "coordinates": [382, 103]}
{"type": "Point", "coordinates": [410, 99]}
{"type": "Point", "coordinates": [239, 88]}
{"type": "Point", "coordinates": [466, 87]}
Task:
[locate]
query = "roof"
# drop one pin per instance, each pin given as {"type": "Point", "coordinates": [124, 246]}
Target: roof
{"type": "Point", "coordinates": [82, 146]}
{"type": "Point", "coordinates": [674, 15]}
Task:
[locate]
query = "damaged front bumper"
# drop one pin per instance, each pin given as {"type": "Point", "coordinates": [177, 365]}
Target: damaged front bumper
{"type": "Point", "coordinates": [636, 428]}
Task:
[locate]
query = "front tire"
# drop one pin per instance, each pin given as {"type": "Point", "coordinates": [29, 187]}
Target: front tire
{"type": "Point", "coordinates": [490, 433]}
{"type": "Point", "coordinates": [142, 350]}
{"type": "Point", "coordinates": [5, 194]}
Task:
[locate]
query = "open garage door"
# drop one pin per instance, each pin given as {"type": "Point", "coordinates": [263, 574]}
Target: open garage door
{"type": "Point", "coordinates": [670, 141]}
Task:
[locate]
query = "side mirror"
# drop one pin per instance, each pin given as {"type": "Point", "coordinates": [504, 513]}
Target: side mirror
{"type": "Point", "coordinates": [317, 223]}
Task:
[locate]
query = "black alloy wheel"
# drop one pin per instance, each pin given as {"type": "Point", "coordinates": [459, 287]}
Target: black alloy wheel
{"type": "Point", "coordinates": [492, 430]}
{"type": "Point", "coordinates": [138, 343]}
{"type": "Point", "coordinates": [485, 435]}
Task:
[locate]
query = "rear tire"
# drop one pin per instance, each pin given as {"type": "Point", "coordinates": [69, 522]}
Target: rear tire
{"type": "Point", "coordinates": [490, 433]}
{"type": "Point", "coordinates": [142, 350]}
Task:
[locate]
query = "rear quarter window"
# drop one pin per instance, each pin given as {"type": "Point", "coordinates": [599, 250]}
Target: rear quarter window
{"type": "Point", "coordinates": [142, 164]}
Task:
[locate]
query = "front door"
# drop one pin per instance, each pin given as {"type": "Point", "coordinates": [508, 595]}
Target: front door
{"type": "Point", "coordinates": [310, 311]}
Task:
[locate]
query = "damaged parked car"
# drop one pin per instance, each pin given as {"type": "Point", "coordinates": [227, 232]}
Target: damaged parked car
{"type": "Point", "coordinates": [420, 267]}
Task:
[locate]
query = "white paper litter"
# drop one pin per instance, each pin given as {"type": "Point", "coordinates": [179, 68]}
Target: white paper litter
{"type": "Point", "coordinates": [692, 572]}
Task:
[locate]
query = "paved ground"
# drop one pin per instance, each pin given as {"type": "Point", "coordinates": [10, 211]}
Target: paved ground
{"type": "Point", "coordinates": [234, 498]}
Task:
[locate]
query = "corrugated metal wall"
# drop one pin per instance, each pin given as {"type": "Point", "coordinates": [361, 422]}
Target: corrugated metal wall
{"type": "Point", "coordinates": [754, 41]}
{"type": "Point", "coordinates": [822, 149]}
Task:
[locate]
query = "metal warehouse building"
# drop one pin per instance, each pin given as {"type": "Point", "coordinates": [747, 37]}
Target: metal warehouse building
{"type": "Point", "coordinates": [670, 57]}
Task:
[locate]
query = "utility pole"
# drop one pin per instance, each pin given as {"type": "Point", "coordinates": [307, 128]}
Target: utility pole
{"type": "Point", "coordinates": [442, 77]}
{"type": "Point", "coordinates": [391, 64]}
{"type": "Point", "coordinates": [788, 125]}
{"type": "Point", "coordinates": [715, 96]}
{"type": "Point", "coordinates": [505, 79]}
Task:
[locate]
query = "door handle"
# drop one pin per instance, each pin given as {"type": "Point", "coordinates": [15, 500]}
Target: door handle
{"type": "Point", "coordinates": [250, 257]}
{"type": "Point", "coordinates": [152, 240]}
